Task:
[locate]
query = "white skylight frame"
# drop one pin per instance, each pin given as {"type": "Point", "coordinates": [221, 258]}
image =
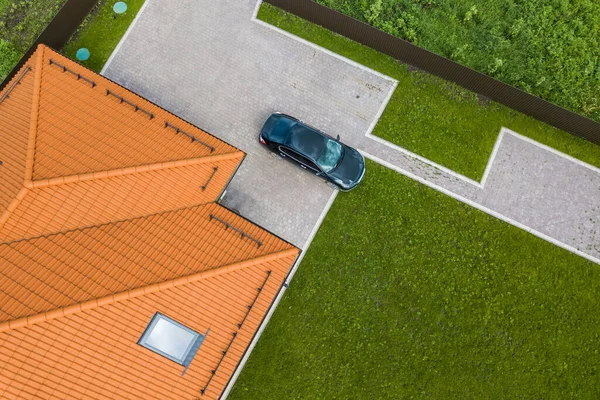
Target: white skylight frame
{"type": "Point", "coordinates": [183, 344]}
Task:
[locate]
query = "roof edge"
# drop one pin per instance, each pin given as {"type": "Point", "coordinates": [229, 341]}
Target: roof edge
{"type": "Point", "coordinates": [133, 293]}
{"type": "Point", "coordinates": [42, 183]}
{"type": "Point", "coordinates": [172, 115]}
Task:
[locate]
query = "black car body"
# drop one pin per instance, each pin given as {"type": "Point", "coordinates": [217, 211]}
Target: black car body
{"type": "Point", "coordinates": [313, 150]}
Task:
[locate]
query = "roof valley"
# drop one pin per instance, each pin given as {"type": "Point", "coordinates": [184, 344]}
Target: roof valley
{"type": "Point", "coordinates": [142, 291]}
{"type": "Point", "coordinates": [83, 228]}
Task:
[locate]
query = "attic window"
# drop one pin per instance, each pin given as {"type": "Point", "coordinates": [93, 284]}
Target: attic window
{"type": "Point", "coordinates": [171, 339]}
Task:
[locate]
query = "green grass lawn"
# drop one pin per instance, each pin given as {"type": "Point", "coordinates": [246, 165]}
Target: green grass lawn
{"type": "Point", "coordinates": [408, 293]}
{"type": "Point", "coordinates": [546, 47]}
{"type": "Point", "coordinates": [21, 22]}
{"type": "Point", "coordinates": [432, 117]}
{"type": "Point", "coordinates": [101, 32]}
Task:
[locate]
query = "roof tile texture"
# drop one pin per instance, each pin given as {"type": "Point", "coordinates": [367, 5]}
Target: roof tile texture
{"type": "Point", "coordinates": [93, 355]}
{"type": "Point", "coordinates": [81, 129]}
{"type": "Point", "coordinates": [59, 270]}
{"type": "Point", "coordinates": [15, 117]}
{"type": "Point", "coordinates": [62, 207]}
{"type": "Point", "coordinates": [108, 216]}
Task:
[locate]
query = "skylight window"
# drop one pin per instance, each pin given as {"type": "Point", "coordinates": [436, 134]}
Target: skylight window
{"type": "Point", "coordinates": [171, 339]}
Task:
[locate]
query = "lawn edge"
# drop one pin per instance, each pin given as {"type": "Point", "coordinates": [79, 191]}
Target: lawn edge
{"type": "Point", "coordinates": [271, 311]}
{"type": "Point", "coordinates": [477, 179]}
{"type": "Point", "coordinates": [123, 38]}
{"type": "Point", "coordinates": [484, 209]}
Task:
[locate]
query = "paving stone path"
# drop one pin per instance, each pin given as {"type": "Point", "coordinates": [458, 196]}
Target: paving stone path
{"type": "Point", "coordinates": [213, 64]}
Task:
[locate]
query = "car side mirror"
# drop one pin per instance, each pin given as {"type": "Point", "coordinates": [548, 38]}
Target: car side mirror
{"type": "Point", "coordinates": [338, 138]}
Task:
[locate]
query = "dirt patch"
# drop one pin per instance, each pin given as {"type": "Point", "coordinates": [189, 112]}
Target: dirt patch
{"type": "Point", "coordinates": [409, 68]}
{"type": "Point", "coordinates": [483, 100]}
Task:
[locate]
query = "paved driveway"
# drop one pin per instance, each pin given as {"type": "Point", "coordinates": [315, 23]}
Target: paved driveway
{"type": "Point", "coordinates": [228, 77]}
{"type": "Point", "coordinates": [211, 63]}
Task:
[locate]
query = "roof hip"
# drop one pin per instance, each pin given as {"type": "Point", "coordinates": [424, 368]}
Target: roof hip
{"type": "Point", "coordinates": [35, 105]}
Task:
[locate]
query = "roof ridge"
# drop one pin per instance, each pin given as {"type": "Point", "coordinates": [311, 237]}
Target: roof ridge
{"type": "Point", "coordinates": [141, 291]}
{"type": "Point", "coordinates": [35, 103]}
{"type": "Point", "coordinates": [31, 185]}
{"type": "Point", "coordinates": [42, 183]}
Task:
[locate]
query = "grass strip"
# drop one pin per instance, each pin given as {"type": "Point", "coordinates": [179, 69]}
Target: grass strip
{"type": "Point", "coordinates": [101, 32]}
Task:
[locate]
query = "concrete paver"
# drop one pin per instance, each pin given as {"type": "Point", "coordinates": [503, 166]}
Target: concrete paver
{"type": "Point", "coordinates": [545, 191]}
{"type": "Point", "coordinates": [210, 63]}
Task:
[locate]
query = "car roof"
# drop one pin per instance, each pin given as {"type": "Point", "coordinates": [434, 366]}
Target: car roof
{"type": "Point", "coordinates": [306, 140]}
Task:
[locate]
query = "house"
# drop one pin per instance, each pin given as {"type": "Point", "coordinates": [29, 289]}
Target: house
{"type": "Point", "coordinates": [120, 275]}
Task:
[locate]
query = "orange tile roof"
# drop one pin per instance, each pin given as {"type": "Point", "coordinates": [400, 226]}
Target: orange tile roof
{"type": "Point", "coordinates": [90, 351]}
{"type": "Point", "coordinates": [107, 216]}
{"type": "Point", "coordinates": [15, 118]}
{"type": "Point", "coordinates": [48, 208]}
{"type": "Point", "coordinates": [116, 135]}
{"type": "Point", "coordinates": [59, 128]}
{"type": "Point", "coordinates": [78, 265]}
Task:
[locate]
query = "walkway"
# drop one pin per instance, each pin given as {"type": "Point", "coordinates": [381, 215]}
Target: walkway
{"type": "Point", "coordinates": [215, 65]}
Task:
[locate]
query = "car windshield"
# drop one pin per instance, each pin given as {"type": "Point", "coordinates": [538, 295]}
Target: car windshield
{"type": "Point", "coordinates": [331, 155]}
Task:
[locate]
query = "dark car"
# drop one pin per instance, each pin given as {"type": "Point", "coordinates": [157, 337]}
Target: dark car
{"type": "Point", "coordinates": [313, 150]}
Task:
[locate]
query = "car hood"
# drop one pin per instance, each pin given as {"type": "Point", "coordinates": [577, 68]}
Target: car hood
{"type": "Point", "coordinates": [351, 167]}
